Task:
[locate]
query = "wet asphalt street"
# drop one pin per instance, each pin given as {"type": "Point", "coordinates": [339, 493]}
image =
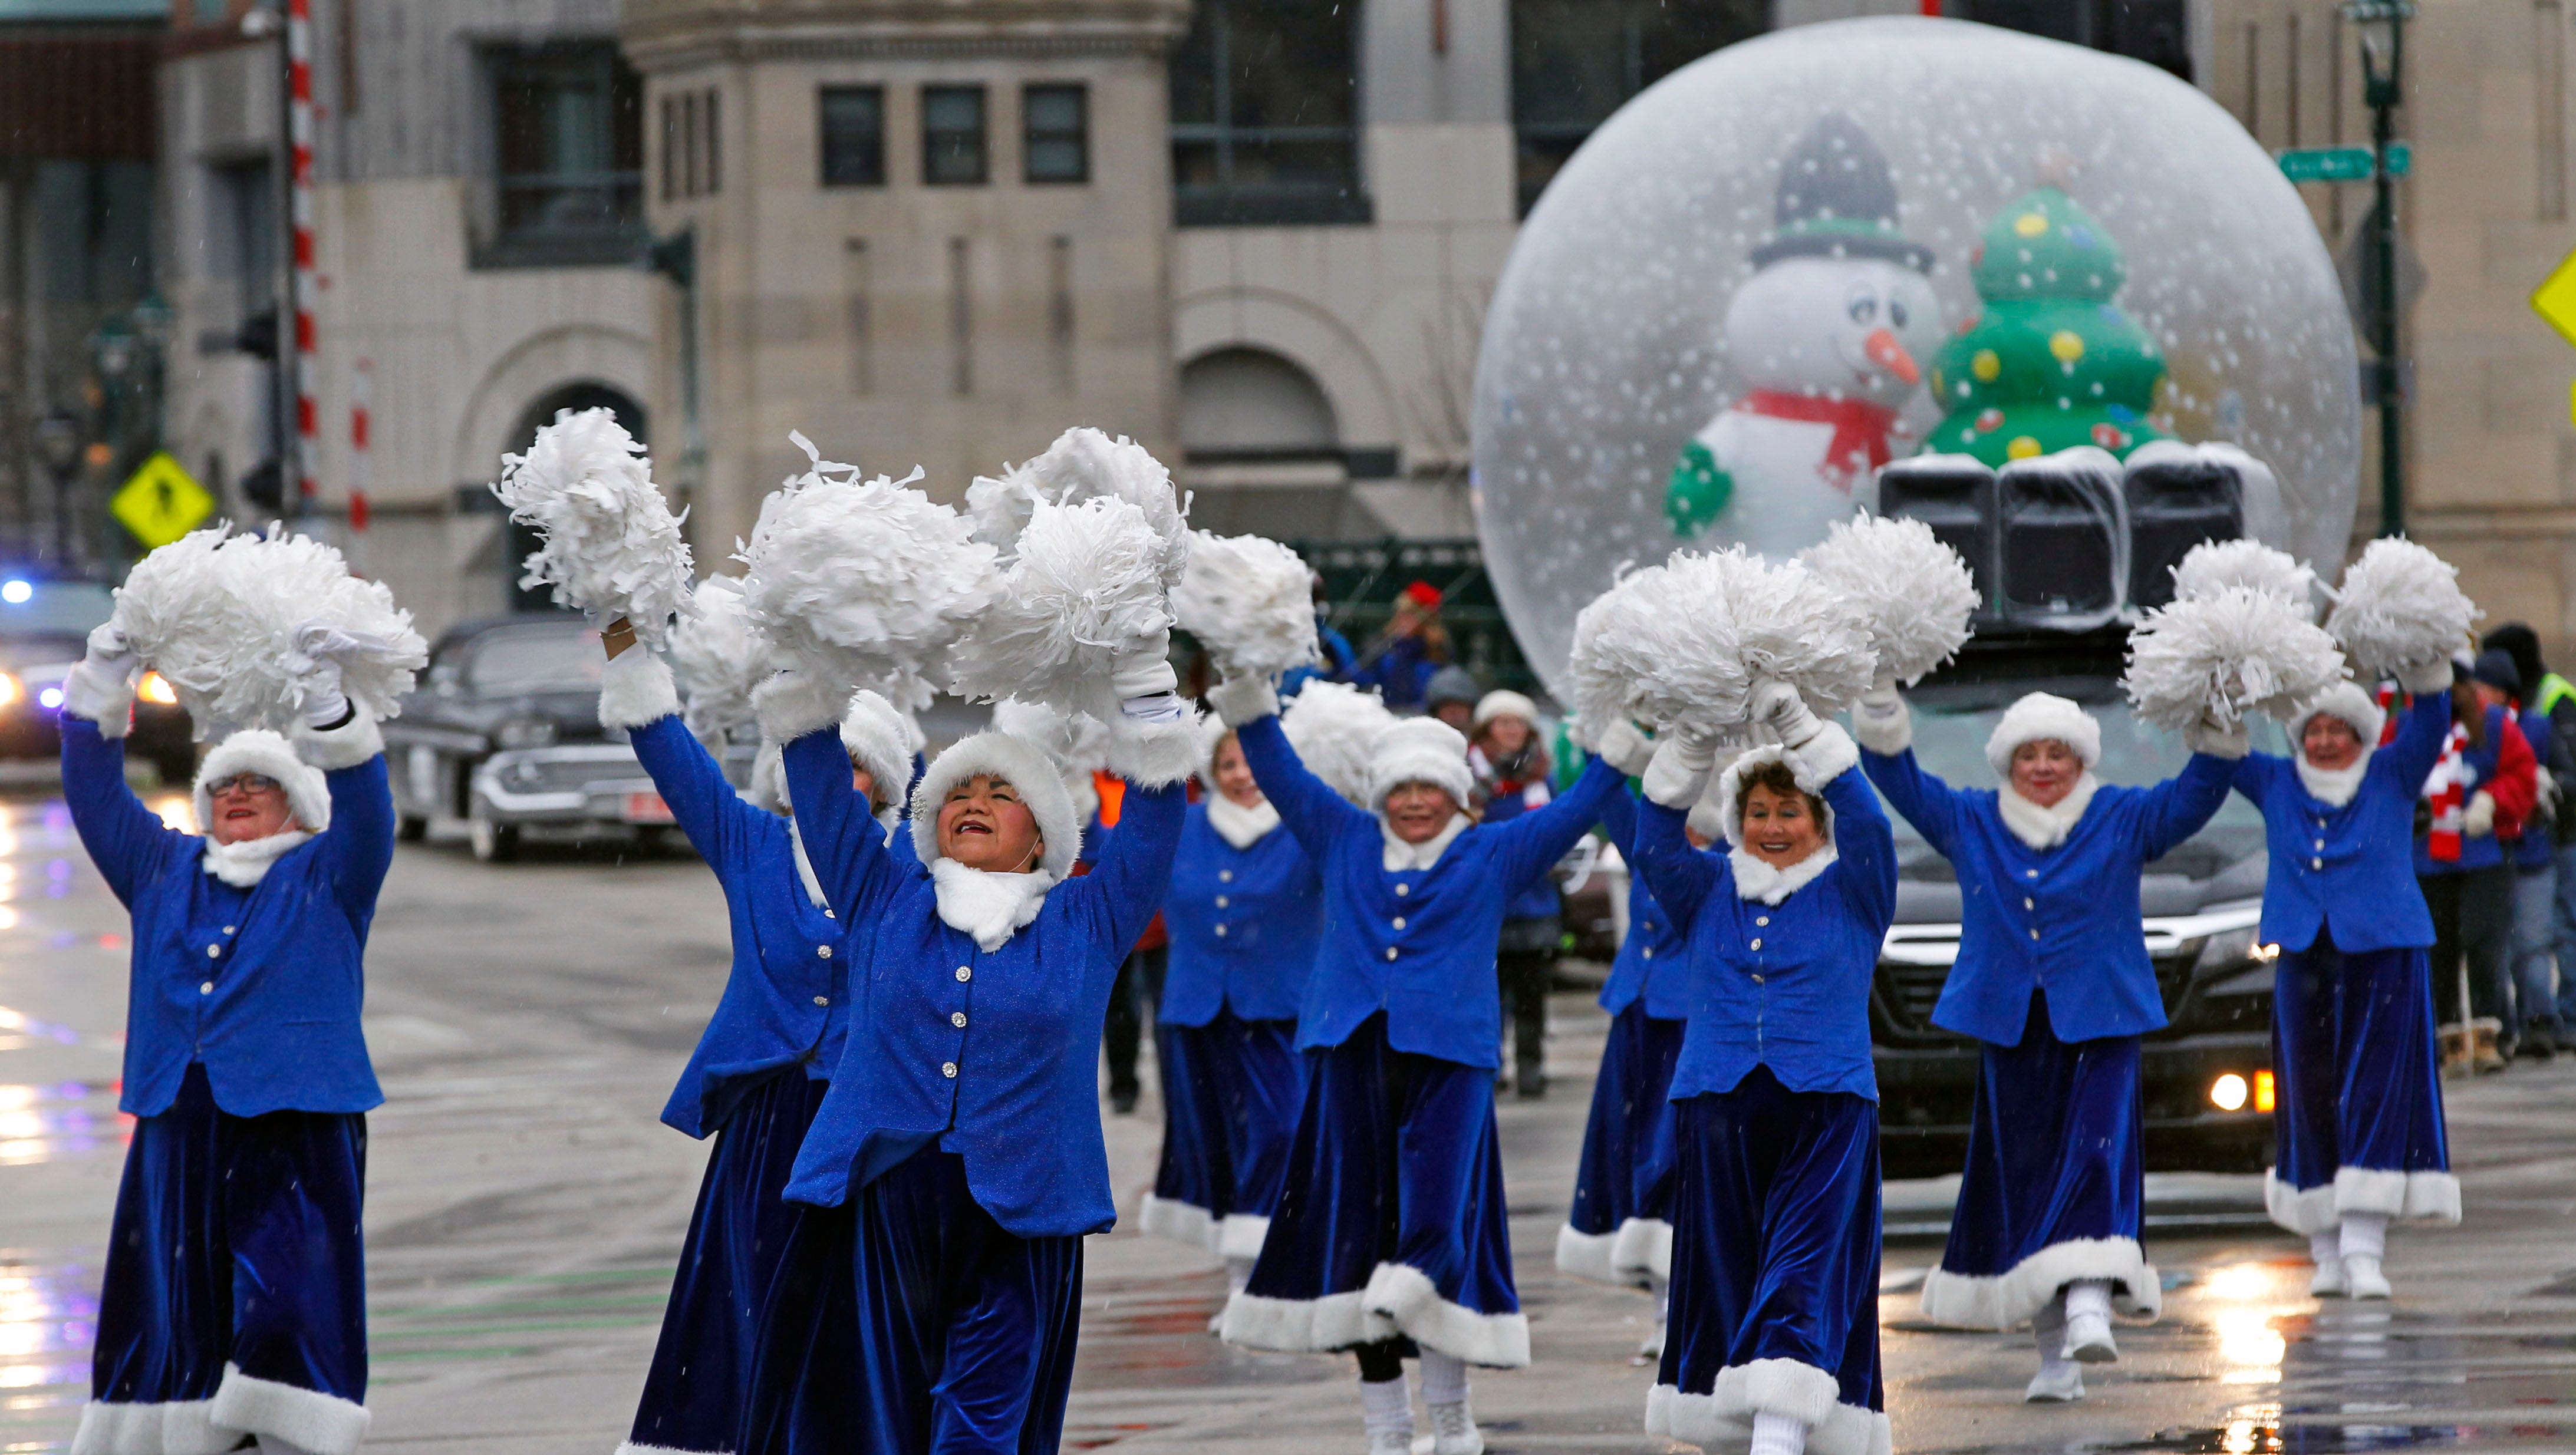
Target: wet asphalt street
{"type": "Point", "coordinates": [524, 1207]}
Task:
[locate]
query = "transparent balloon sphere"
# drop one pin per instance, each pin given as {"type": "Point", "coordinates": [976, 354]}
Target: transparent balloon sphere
{"type": "Point", "coordinates": [1810, 253]}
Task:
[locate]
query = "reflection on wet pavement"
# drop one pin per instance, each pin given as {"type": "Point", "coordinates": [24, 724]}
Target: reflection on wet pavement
{"type": "Point", "coordinates": [48, 1315]}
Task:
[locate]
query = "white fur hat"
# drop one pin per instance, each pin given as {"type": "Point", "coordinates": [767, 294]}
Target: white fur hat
{"type": "Point", "coordinates": [2349, 701]}
{"type": "Point", "coordinates": [1729, 791]}
{"type": "Point", "coordinates": [1503, 702]}
{"type": "Point", "coordinates": [1016, 761]}
{"type": "Point", "coordinates": [881, 740]}
{"type": "Point", "coordinates": [1419, 750]}
{"type": "Point", "coordinates": [2038, 718]}
{"type": "Point", "coordinates": [257, 750]}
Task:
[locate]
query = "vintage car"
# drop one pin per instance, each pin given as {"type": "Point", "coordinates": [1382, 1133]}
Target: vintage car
{"type": "Point", "coordinates": [503, 733]}
{"type": "Point", "coordinates": [44, 631]}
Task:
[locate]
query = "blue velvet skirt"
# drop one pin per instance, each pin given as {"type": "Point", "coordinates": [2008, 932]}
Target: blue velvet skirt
{"type": "Point", "coordinates": [1391, 1222]}
{"type": "Point", "coordinates": [1620, 1227]}
{"type": "Point", "coordinates": [737, 1251]}
{"type": "Point", "coordinates": [964, 1331]}
{"type": "Point", "coordinates": [2358, 1120]}
{"type": "Point", "coordinates": [2055, 1187]}
{"type": "Point", "coordinates": [234, 1301]}
{"type": "Point", "coordinates": [1775, 1270]}
{"type": "Point", "coordinates": [1231, 1089]}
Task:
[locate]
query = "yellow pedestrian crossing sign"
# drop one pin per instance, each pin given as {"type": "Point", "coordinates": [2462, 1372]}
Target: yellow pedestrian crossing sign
{"type": "Point", "coordinates": [161, 502]}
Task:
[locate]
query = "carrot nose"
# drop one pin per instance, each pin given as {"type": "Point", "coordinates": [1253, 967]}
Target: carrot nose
{"type": "Point", "coordinates": [1883, 350]}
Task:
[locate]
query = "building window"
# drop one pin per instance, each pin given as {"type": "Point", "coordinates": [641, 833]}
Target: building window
{"type": "Point", "coordinates": [1055, 134]}
{"type": "Point", "coordinates": [2154, 31]}
{"type": "Point", "coordinates": [567, 156]}
{"type": "Point", "coordinates": [853, 128]}
{"type": "Point", "coordinates": [1265, 114]}
{"type": "Point", "coordinates": [952, 136]}
{"type": "Point", "coordinates": [1576, 61]}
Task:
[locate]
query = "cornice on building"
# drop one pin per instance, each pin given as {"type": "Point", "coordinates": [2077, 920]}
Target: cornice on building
{"type": "Point", "coordinates": [669, 34]}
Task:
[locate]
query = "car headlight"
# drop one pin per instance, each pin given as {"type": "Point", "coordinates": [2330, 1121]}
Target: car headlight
{"type": "Point", "coordinates": [2233, 950]}
{"type": "Point", "coordinates": [12, 691]}
{"type": "Point", "coordinates": [525, 732]}
{"type": "Point", "coordinates": [156, 688]}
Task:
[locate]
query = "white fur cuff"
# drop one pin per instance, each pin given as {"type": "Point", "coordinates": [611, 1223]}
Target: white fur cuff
{"type": "Point", "coordinates": [1722, 1421]}
{"type": "Point", "coordinates": [179, 1428]}
{"type": "Point", "coordinates": [1239, 700]}
{"type": "Point", "coordinates": [792, 704]}
{"type": "Point", "coordinates": [109, 704]}
{"type": "Point", "coordinates": [1154, 754]}
{"type": "Point", "coordinates": [322, 1423]}
{"type": "Point", "coordinates": [1828, 755]}
{"type": "Point", "coordinates": [1405, 1296]}
{"type": "Point", "coordinates": [1883, 723]}
{"type": "Point", "coordinates": [2008, 1300]}
{"type": "Point", "coordinates": [2428, 678]}
{"type": "Point", "coordinates": [1181, 1222]}
{"type": "Point", "coordinates": [346, 746]}
{"type": "Point", "coordinates": [636, 688]}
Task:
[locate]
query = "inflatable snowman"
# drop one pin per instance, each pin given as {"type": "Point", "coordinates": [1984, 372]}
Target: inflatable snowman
{"type": "Point", "coordinates": [1828, 336]}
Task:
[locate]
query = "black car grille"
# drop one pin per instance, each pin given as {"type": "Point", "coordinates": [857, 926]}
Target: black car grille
{"type": "Point", "coordinates": [1902, 998]}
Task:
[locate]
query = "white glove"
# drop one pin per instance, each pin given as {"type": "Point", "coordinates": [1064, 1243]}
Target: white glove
{"type": "Point", "coordinates": [1239, 700]}
{"type": "Point", "coordinates": [1683, 759]}
{"type": "Point", "coordinates": [1142, 680]}
{"type": "Point", "coordinates": [317, 665]}
{"type": "Point", "coordinates": [2426, 678]}
{"type": "Point", "coordinates": [2230, 741]}
{"type": "Point", "coordinates": [1626, 749]}
{"type": "Point", "coordinates": [111, 658]}
{"type": "Point", "coordinates": [101, 688]}
{"type": "Point", "coordinates": [2479, 821]}
{"type": "Point", "coordinates": [1777, 707]}
{"type": "Point", "coordinates": [2546, 806]}
{"type": "Point", "coordinates": [1882, 722]}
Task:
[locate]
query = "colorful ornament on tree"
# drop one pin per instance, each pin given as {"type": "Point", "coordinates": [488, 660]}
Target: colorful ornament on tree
{"type": "Point", "coordinates": [2051, 362]}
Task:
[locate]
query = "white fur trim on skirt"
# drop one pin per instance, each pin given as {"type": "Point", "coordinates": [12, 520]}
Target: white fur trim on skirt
{"type": "Point", "coordinates": [1303, 1325]}
{"type": "Point", "coordinates": [1406, 1297]}
{"type": "Point", "coordinates": [178, 1428]}
{"type": "Point", "coordinates": [2432, 1197]}
{"type": "Point", "coordinates": [1241, 1235]}
{"type": "Point", "coordinates": [1722, 1420]}
{"type": "Point", "coordinates": [631, 1448]}
{"type": "Point", "coordinates": [2008, 1300]}
{"type": "Point", "coordinates": [322, 1423]}
{"type": "Point", "coordinates": [1636, 1251]}
{"type": "Point", "coordinates": [1182, 1222]}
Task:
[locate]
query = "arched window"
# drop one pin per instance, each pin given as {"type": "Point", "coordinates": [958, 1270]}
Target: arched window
{"type": "Point", "coordinates": [518, 540]}
{"type": "Point", "coordinates": [1250, 406]}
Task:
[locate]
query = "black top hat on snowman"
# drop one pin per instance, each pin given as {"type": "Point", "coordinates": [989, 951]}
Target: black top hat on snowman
{"type": "Point", "coordinates": [1837, 199]}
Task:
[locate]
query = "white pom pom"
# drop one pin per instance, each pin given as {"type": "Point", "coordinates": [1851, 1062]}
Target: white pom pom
{"type": "Point", "coordinates": [1610, 634]}
{"type": "Point", "coordinates": [1087, 587]}
{"type": "Point", "coordinates": [1913, 591]}
{"type": "Point", "coordinates": [1082, 464]}
{"type": "Point", "coordinates": [721, 657]}
{"type": "Point", "coordinates": [1685, 643]}
{"type": "Point", "coordinates": [1250, 602]}
{"type": "Point", "coordinates": [2213, 566]}
{"type": "Point", "coordinates": [612, 547]}
{"type": "Point", "coordinates": [863, 583]}
{"type": "Point", "coordinates": [1077, 741]}
{"type": "Point", "coordinates": [2220, 657]}
{"type": "Point", "coordinates": [1334, 727]}
{"type": "Point", "coordinates": [225, 619]}
{"type": "Point", "coordinates": [2400, 607]}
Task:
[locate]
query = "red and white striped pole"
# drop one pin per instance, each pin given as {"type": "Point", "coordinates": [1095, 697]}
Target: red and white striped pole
{"type": "Point", "coordinates": [299, 140]}
{"type": "Point", "coordinates": [362, 399]}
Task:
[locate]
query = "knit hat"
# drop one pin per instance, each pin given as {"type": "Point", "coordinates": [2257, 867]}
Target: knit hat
{"type": "Point", "coordinates": [1423, 594]}
{"type": "Point", "coordinates": [257, 750]}
{"type": "Point", "coordinates": [1451, 684]}
{"type": "Point", "coordinates": [1503, 702]}
{"type": "Point", "coordinates": [2496, 669]}
{"type": "Point", "coordinates": [2521, 643]}
{"type": "Point", "coordinates": [1419, 750]}
{"type": "Point", "coordinates": [2348, 702]}
{"type": "Point", "coordinates": [2037, 718]}
{"type": "Point", "coordinates": [1022, 764]}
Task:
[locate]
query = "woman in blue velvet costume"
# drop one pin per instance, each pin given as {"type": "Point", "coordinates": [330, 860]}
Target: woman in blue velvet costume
{"type": "Point", "coordinates": [1245, 911]}
{"type": "Point", "coordinates": [2358, 1118]}
{"type": "Point", "coordinates": [1390, 1236]}
{"type": "Point", "coordinates": [1774, 1343]}
{"type": "Point", "coordinates": [2053, 977]}
{"type": "Point", "coordinates": [233, 1311]}
{"type": "Point", "coordinates": [961, 1137]}
{"type": "Point", "coordinates": [761, 1068]}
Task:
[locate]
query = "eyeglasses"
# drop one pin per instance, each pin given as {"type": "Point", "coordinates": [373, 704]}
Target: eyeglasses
{"type": "Point", "coordinates": [243, 783]}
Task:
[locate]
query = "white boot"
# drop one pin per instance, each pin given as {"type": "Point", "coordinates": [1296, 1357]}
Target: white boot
{"type": "Point", "coordinates": [1387, 1410]}
{"type": "Point", "coordinates": [1778, 1435]}
{"type": "Point", "coordinates": [1653, 1347]}
{"type": "Point", "coordinates": [1238, 1276]}
{"type": "Point", "coordinates": [2088, 1322]}
{"type": "Point", "coordinates": [2363, 1241]}
{"type": "Point", "coordinates": [2326, 1251]}
{"type": "Point", "coordinates": [2060, 1380]}
{"type": "Point", "coordinates": [1444, 1397]}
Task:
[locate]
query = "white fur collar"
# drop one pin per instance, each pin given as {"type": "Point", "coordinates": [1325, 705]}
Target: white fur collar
{"type": "Point", "coordinates": [2046, 828]}
{"type": "Point", "coordinates": [243, 864]}
{"type": "Point", "coordinates": [986, 906]}
{"type": "Point", "coordinates": [1758, 879]}
{"type": "Point", "coordinates": [1240, 826]}
{"type": "Point", "coordinates": [2334, 786]}
{"type": "Point", "coordinates": [1401, 856]}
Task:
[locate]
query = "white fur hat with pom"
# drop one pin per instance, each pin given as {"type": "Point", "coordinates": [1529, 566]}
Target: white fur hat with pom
{"type": "Point", "coordinates": [2349, 701]}
{"type": "Point", "coordinates": [257, 750]}
{"type": "Point", "coordinates": [1419, 750]}
{"type": "Point", "coordinates": [2040, 717]}
{"type": "Point", "coordinates": [1026, 767]}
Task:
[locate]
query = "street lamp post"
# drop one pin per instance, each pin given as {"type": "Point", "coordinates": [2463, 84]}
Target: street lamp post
{"type": "Point", "coordinates": [2383, 70]}
{"type": "Point", "coordinates": [58, 443]}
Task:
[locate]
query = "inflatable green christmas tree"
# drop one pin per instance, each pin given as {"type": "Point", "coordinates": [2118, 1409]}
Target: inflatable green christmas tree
{"type": "Point", "coordinates": [2050, 363]}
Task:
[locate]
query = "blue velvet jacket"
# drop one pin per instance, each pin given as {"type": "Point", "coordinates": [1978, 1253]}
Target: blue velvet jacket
{"type": "Point", "coordinates": [1418, 944]}
{"type": "Point", "coordinates": [991, 1054]}
{"type": "Point", "coordinates": [260, 985]}
{"type": "Point", "coordinates": [1244, 926]}
{"type": "Point", "coordinates": [2064, 920]}
{"type": "Point", "coordinates": [2348, 872]}
{"type": "Point", "coordinates": [1538, 899]}
{"type": "Point", "coordinates": [783, 999]}
{"type": "Point", "coordinates": [1780, 985]}
{"type": "Point", "coordinates": [1650, 959]}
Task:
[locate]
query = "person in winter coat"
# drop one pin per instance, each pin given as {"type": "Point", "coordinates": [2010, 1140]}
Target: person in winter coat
{"type": "Point", "coordinates": [2534, 855]}
{"type": "Point", "coordinates": [233, 1311]}
{"type": "Point", "coordinates": [961, 1136]}
{"type": "Point", "coordinates": [2554, 699]}
{"type": "Point", "coordinates": [1391, 1226]}
{"type": "Point", "coordinates": [761, 1067]}
{"type": "Point", "coordinates": [1451, 696]}
{"type": "Point", "coordinates": [1776, 1224]}
{"type": "Point", "coordinates": [1619, 1227]}
{"type": "Point", "coordinates": [1246, 910]}
{"type": "Point", "coordinates": [1510, 768]}
{"type": "Point", "coordinates": [2358, 1118]}
{"type": "Point", "coordinates": [1401, 662]}
{"type": "Point", "coordinates": [2479, 792]}
{"type": "Point", "coordinates": [2053, 977]}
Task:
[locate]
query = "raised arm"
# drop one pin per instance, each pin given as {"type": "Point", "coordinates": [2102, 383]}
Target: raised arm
{"type": "Point", "coordinates": [2175, 809]}
{"type": "Point", "coordinates": [127, 841]}
{"type": "Point", "coordinates": [1929, 804]}
{"type": "Point", "coordinates": [1537, 839]}
{"type": "Point", "coordinates": [2422, 729]}
{"type": "Point", "coordinates": [636, 693]}
{"type": "Point", "coordinates": [1680, 877]}
{"type": "Point", "coordinates": [360, 842]}
{"type": "Point", "coordinates": [1132, 872]}
{"type": "Point", "coordinates": [1619, 821]}
{"type": "Point", "coordinates": [1866, 842]}
{"type": "Point", "coordinates": [1307, 805]}
{"type": "Point", "coordinates": [2254, 774]}
{"type": "Point", "coordinates": [843, 842]}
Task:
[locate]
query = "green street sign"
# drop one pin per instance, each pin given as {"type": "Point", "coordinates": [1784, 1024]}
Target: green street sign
{"type": "Point", "coordinates": [2341, 164]}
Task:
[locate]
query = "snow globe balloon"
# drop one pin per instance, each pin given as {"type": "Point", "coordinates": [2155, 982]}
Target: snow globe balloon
{"type": "Point", "coordinates": [1813, 253]}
